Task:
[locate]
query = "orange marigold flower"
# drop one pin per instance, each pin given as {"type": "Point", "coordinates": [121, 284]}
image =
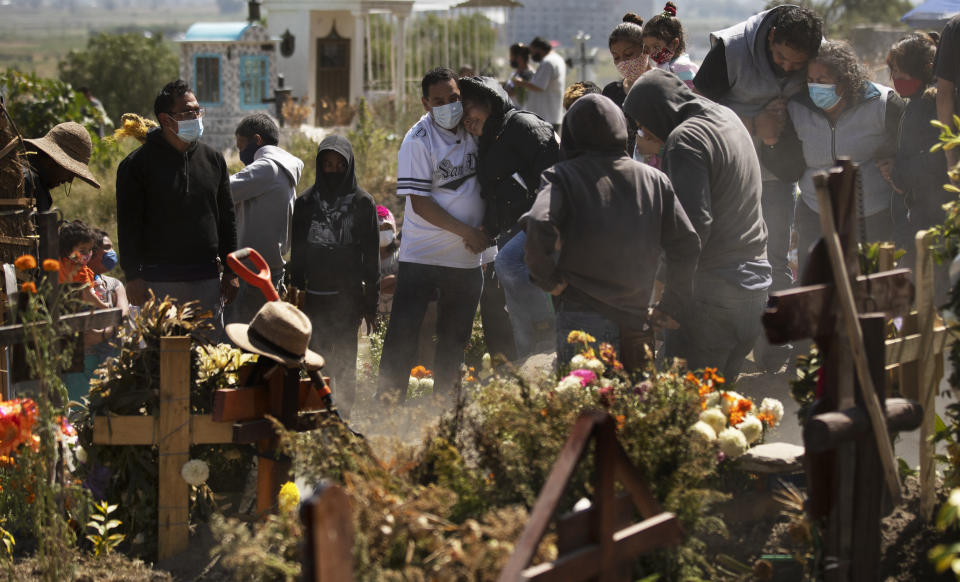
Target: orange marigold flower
{"type": "Point", "coordinates": [28, 287]}
{"type": "Point", "coordinates": [621, 420]}
{"type": "Point", "coordinates": [543, 412]}
{"type": "Point", "coordinates": [51, 265]}
{"type": "Point", "coordinates": [744, 405]}
{"type": "Point", "coordinates": [736, 417]}
{"type": "Point", "coordinates": [421, 372]}
{"type": "Point", "coordinates": [31, 498]}
{"type": "Point", "coordinates": [766, 417]}
{"type": "Point", "coordinates": [7, 462]}
{"type": "Point", "coordinates": [25, 263]}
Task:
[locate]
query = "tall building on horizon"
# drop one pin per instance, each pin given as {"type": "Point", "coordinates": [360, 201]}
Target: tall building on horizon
{"type": "Point", "coordinates": [560, 20]}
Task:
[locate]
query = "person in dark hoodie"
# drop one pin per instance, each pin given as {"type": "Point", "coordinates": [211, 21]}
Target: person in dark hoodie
{"type": "Point", "coordinates": [610, 217]}
{"type": "Point", "coordinates": [336, 259]}
{"type": "Point", "coordinates": [514, 148]}
{"type": "Point", "coordinates": [175, 216]}
{"type": "Point", "coordinates": [710, 159]}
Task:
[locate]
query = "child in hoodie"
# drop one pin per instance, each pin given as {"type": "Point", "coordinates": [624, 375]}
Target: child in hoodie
{"type": "Point", "coordinates": [336, 260]}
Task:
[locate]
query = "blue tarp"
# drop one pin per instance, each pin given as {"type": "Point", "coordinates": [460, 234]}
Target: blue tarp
{"type": "Point", "coordinates": [215, 31]}
{"type": "Point", "coordinates": [932, 14]}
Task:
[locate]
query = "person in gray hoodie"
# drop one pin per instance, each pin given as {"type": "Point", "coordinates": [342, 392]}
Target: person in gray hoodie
{"type": "Point", "coordinates": [263, 194]}
{"type": "Point", "coordinates": [596, 230]}
{"type": "Point", "coordinates": [709, 157]}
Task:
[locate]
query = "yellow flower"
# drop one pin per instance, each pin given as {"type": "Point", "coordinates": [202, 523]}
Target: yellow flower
{"type": "Point", "coordinates": [25, 263]}
{"type": "Point", "coordinates": [289, 497]}
{"type": "Point", "coordinates": [580, 337]}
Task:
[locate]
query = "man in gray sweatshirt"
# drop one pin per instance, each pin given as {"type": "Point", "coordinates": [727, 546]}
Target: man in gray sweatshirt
{"type": "Point", "coordinates": [263, 194]}
{"type": "Point", "coordinates": [710, 160]}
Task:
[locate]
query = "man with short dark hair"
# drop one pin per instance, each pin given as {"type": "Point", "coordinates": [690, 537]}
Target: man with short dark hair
{"type": "Point", "coordinates": [753, 68]}
{"type": "Point", "coordinates": [175, 216]}
{"type": "Point", "coordinates": [442, 239]}
{"type": "Point", "coordinates": [545, 97]}
{"type": "Point", "coordinates": [263, 192]}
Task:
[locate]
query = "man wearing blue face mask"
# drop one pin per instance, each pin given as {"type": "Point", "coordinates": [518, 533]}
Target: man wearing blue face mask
{"type": "Point", "coordinates": [263, 192]}
{"type": "Point", "coordinates": [442, 239]}
{"type": "Point", "coordinates": [175, 215]}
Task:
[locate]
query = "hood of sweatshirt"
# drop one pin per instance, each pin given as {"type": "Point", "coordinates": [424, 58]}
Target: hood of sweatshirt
{"type": "Point", "coordinates": [347, 182]}
{"type": "Point", "coordinates": [292, 166]}
{"type": "Point", "coordinates": [593, 124]}
{"type": "Point", "coordinates": [659, 101]}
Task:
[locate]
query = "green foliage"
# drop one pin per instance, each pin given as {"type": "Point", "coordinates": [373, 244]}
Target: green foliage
{"type": "Point", "coordinates": [37, 104]}
{"type": "Point", "coordinates": [103, 540]}
{"type": "Point", "coordinates": [869, 256]}
{"type": "Point", "coordinates": [125, 71]}
{"type": "Point", "coordinates": [8, 543]}
{"type": "Point", "coordinates": [268, 552]}
{"type": "Point", "coordinates": [947, 556]}
{"type": "Point", "coordinates": [375, 150]}
{"type": "Point", "coordinates": [803, 387]}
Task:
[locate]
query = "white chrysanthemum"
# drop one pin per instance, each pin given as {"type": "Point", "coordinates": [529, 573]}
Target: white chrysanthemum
{"type": "Point", "coordinates": [569, 383]}
{"type": "Point", "coordinates": [752, 428]}
{"type": "Point", "coordinates": [426, 385]}
{"type": "Point", "coordinates": [772, 407]}
{"type": "Point", "coordinates": [713, 400]}
{"type": "Point", "coordinates": [729, 398]}
{"type": "Point", "coordinates": [80, 454]}
{"type": "Point", "coordinates": [413, 384]}
{"type": "Point", "coordinates": [485, 362]}
{"type": "Point", "coordinates": [705, 430]}
{"type": "Point", "coordinates": [733, 443]}
{"type": "Point", "coordinates": [578, 362]}
{"type": "Point", "coordinates": [595, 366]}
{"type": "Point", "coordinates": [195, 472]}
{"type": "Point", "coordinates": [715, 418]}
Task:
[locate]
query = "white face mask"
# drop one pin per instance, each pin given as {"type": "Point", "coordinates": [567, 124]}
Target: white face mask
{"type": "Point", "coordinates": [386, 237]}
{"type": "Point", "coordinates": [190, 130]}
{"type": "Point", "coordinates": [449, 115]}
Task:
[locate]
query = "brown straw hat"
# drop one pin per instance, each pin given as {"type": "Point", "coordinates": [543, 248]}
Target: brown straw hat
{"type": "Point", "coordinates": [280, 332]}
{"type": "Point", "coordinates": [69, 145]}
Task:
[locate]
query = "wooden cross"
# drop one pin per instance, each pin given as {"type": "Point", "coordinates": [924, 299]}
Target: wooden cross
{"type": "Point", "coordinates": [847, 443]}
{"type": "Point", "coordinates": [173, 430]}
{"type": "Point", "coordinates": [600, 541]}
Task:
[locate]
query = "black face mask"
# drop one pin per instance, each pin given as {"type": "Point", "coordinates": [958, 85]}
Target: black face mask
{"type": "Point", "coordinates": [537, 57]}
{"type": "Point", "coordinates": [246, 156]}
{"type": "Point", "coordinates": [514, 63]}
{"type": "Point", "coordinates": [334, 178]}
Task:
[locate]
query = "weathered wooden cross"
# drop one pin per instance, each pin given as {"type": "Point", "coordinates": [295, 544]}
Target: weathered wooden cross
{"type": "Point", "coordinates": [847, 438]}
{"type": "Point", "coordinates": [174, 429]}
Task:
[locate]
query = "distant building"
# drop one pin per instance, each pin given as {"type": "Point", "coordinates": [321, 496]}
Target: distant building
{"type": "Point", "coordinates": [560, 20]}
{"type": "Point", "coordinates": [231, 67]}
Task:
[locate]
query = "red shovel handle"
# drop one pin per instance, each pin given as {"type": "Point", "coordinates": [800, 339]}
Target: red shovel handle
{"type": "Point", "coordinates": [260, 279]}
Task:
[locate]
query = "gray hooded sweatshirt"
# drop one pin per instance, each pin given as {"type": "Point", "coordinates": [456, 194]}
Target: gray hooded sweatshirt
{"type": "Point", "coordinates": [614, 215]}
{"type": "Point", "coordinates": [263, 194]}
{"type": "Point", "coordinates": [709, 157]}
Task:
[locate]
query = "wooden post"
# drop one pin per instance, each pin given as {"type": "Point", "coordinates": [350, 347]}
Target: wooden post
{"type": "Point", "coordinates": [173, 497]}
{"type": "Point", "coordinates": [927, 378]}
{"type": "Point", "coordinates": [328, 521]}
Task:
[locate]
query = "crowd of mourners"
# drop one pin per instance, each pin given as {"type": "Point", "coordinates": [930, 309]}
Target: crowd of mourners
{"type": "Point", "coordinates": [656, 213]}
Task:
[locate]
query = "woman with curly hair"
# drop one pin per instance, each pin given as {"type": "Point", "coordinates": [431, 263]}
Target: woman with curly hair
{"type": "Point", "coordinates": [918, 173]}
{"type": "Point", "coordinates": [664, 41]}
{"type": "Point", "coordinates": [842, 114]}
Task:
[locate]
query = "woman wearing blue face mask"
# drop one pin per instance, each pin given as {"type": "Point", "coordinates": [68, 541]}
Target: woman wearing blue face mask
{"type": "Point", "coordinates": [842, 114]}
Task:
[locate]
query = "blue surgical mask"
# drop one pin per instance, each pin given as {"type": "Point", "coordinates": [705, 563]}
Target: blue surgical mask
{"type": "Point", "coordinates": [109, 260]}
{"type": "Point", "coordinates": [449, 115]}
{"type": "Point", "coordinates": [190, 130]}
{"type": "Point", "coordinates": [823, 95]}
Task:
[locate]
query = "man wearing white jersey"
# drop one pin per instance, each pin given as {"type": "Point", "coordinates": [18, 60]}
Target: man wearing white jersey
{"type": "Point", "coordinates": [442, 239]}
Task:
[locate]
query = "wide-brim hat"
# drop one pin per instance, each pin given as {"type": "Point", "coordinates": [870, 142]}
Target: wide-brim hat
{"type": "Point", "coordinates": [70, 146]}
{"type": "Point", "coordinates": [279, 331]}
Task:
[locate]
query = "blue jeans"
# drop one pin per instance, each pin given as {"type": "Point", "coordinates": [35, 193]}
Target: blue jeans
{"type": "Point", "coordinates": [458, 292]}
{"type": "Point", "coordinates": [778, 203]}
{"type": "Point", "coordinates": [720, 331]}
{"type": "Point", "coordinates": [530, 308]}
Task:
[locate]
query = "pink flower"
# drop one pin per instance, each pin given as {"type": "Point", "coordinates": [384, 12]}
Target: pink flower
{"type": "Point", "coordinates": [586, 377]}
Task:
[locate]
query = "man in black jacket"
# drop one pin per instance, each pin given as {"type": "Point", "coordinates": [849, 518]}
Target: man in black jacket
{"type": "Point", "coordinates": [175, 216]}
{"type": "Point", "coordinates": [514, 148]}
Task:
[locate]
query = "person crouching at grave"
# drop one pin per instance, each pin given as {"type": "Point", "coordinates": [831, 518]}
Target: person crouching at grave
{"type": "Point", "coordinates": [76, 248]}
{"type": "Point", "coordinates": [57, 158]}
{"type": "Point", "coordinates": [710, 159]}
{"type": "Point", "coordinates": [596, 231]}
{"type": "Point", "coordinates": [514, 148]}
{"type": "Point", "coordinates": [263, 192]}
{"type": "Point", "coordinates": [335, 258]}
